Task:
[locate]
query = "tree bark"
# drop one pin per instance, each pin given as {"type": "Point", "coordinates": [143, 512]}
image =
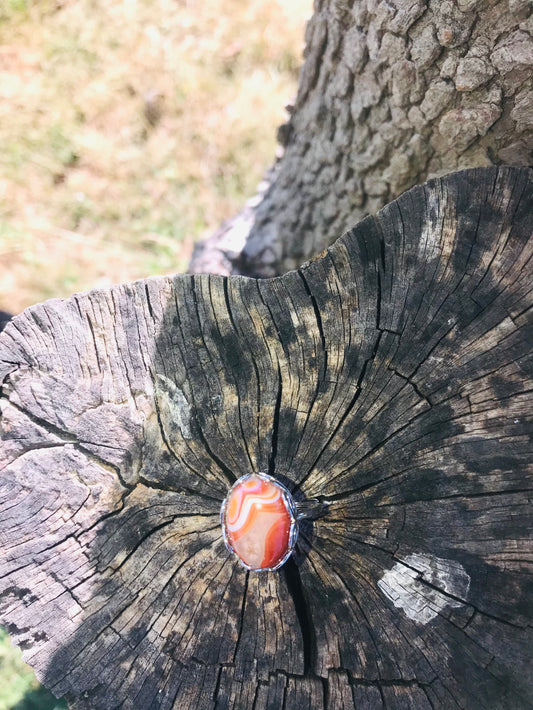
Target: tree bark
{"type": "Point", "coordinates": [391, 92]}
{"type": "Point", "coordinates": [391, 379]}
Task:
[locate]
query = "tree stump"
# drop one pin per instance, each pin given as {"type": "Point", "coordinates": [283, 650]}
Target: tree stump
{"type": "Point", "coordinates": [390, 379]}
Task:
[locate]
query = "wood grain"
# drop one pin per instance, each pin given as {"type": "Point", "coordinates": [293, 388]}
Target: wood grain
{"type": "Point", "coordinates": [391, 378]}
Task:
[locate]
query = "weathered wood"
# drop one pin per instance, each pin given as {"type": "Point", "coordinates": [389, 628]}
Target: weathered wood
{"type": "Point", "coordinates": [391, 377]}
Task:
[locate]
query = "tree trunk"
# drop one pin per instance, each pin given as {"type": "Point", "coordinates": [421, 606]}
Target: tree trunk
{"type": "Point", "coordinates": [390, 379]}
{"type": "Point", "coordinates": [391, 93]}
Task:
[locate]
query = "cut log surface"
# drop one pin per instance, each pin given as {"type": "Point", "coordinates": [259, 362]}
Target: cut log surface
{"type": "Point", "coordinates": [391, 378]}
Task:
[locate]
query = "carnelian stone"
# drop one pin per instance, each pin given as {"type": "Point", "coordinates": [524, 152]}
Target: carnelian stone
{"type": "Point", "coordinates": [258, 522]}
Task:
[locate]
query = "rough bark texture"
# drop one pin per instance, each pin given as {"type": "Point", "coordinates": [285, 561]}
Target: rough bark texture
{"type": "Point", "coordinates": [391, 378]}
{"type": "Point", "coordinates": [391, 92]}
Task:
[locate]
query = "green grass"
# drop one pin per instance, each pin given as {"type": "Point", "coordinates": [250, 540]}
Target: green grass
{"type": "Point", "coordinates": [18, 688]}
{"type": "Point", "coordinates": [11, 8]}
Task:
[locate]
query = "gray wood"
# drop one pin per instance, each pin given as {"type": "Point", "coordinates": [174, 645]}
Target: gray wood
{"type": "Point", "coordinates": [391, 378]}
{"type": "Point", "coordinates": [391, 93]}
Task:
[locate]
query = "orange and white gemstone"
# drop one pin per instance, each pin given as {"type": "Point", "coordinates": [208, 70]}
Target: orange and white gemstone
{"type": "Point", "coordinates": [259, 522]}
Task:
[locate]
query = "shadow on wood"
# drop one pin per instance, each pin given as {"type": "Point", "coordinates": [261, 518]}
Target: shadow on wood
{"type": "Point", "coordinates": [391, 377]}
{"type": "Point", "coordinates": [4, 319]}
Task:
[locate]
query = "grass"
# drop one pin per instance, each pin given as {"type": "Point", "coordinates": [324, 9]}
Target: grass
{"type": "Point", "coordinates": [128, 130]}
{"type": "Point", "coordinates": [18, 688]}
{"type": "Point", "coordinates": [131, 129]}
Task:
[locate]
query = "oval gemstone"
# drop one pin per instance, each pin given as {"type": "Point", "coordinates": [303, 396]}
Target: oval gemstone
{"type": "Point", "coordinates": [258, 522]}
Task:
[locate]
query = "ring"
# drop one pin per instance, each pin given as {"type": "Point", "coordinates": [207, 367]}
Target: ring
{"type": "Point", "coordinates": [259, 519]}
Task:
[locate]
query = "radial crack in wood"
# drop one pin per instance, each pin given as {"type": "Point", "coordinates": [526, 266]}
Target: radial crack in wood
{"type": "Point", "coordinates": [391, 378]}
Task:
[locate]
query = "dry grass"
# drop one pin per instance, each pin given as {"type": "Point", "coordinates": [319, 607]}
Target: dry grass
{"type": "Point", "coordinates": [131, 128]}
{"type": "Point", "coordinates": [128, 129]}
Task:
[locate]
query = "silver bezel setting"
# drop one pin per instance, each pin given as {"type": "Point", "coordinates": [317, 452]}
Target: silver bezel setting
{"type": "Point", "coordinates": [289, 504]}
